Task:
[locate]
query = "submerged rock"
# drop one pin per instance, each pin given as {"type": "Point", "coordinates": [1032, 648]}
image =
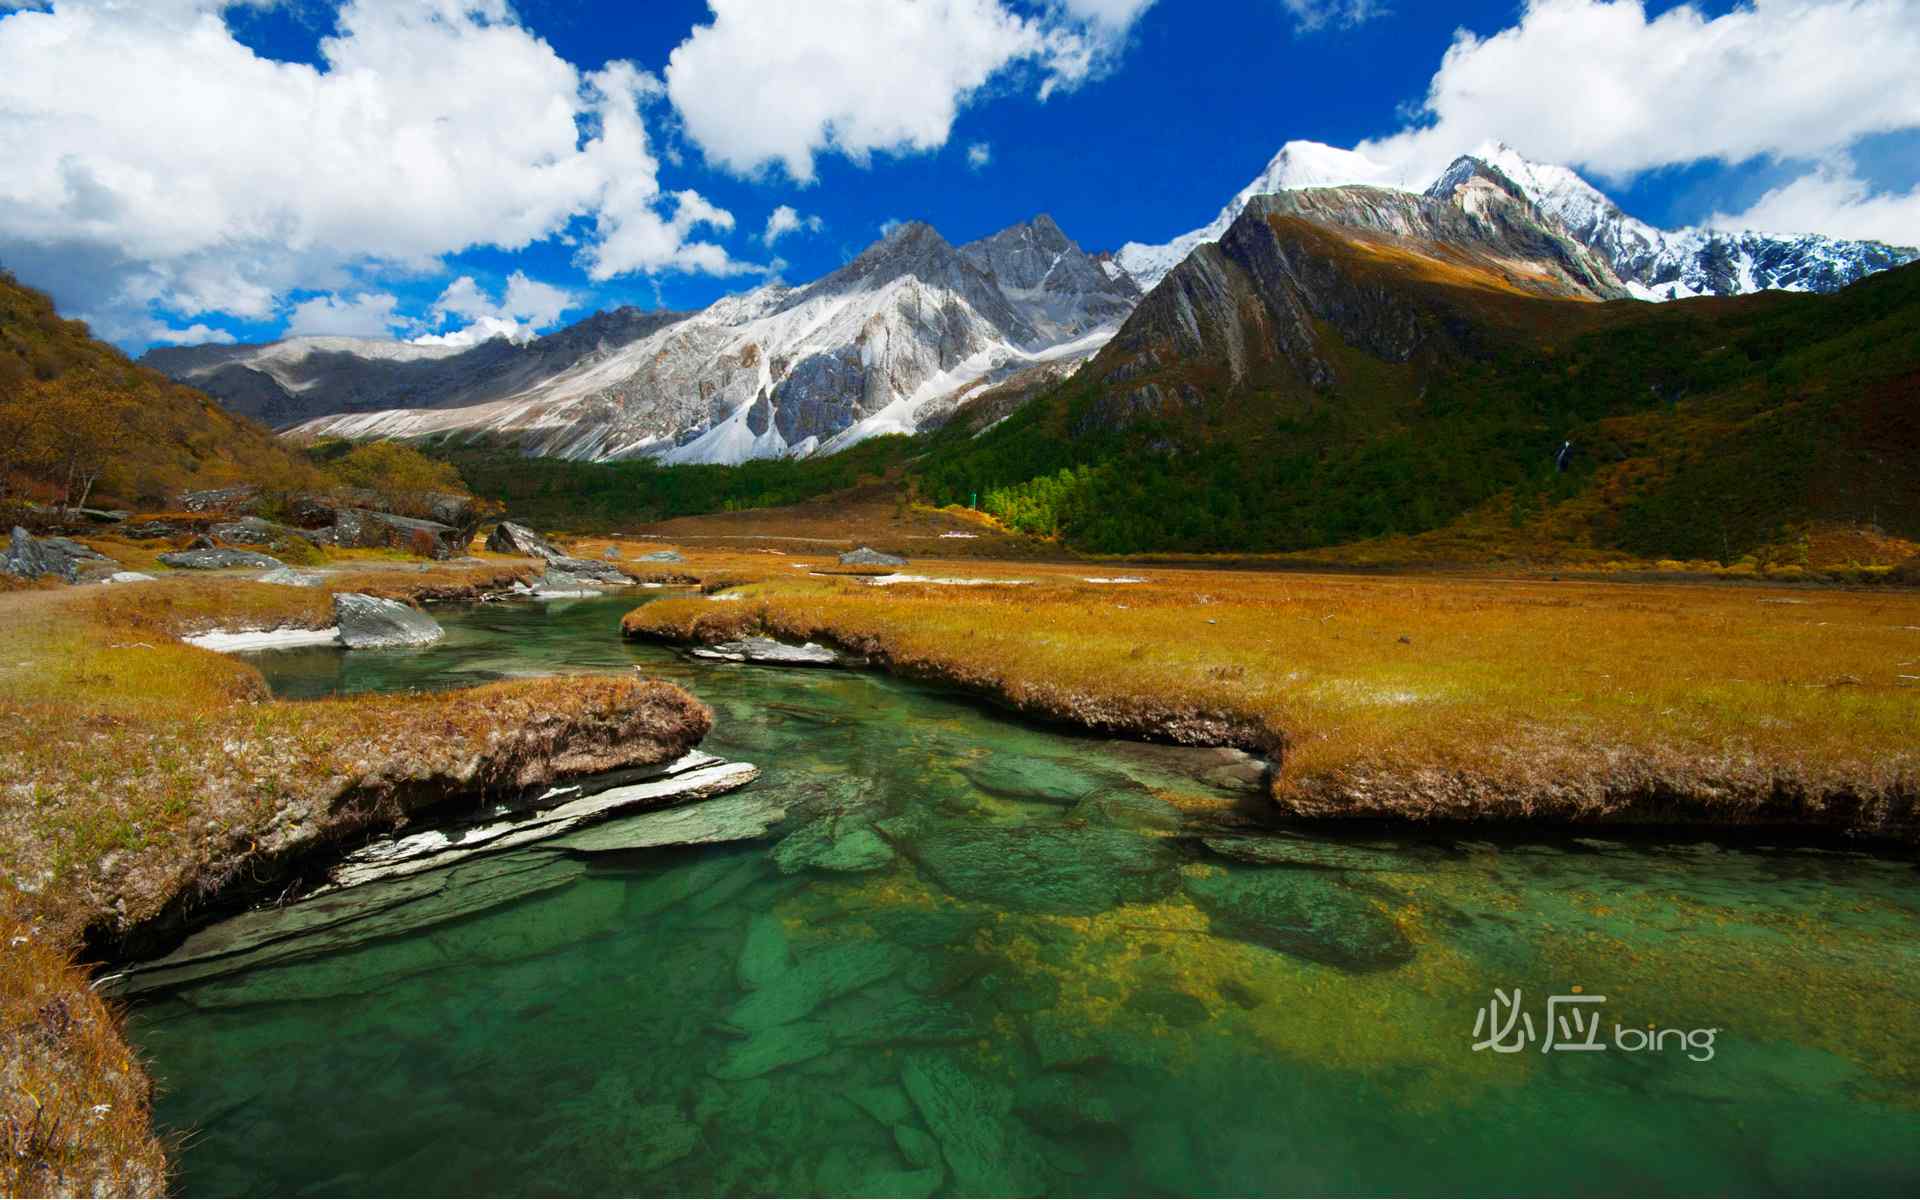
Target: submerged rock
{"type": "Point", "coordinates": [832, 843]}
{"type": "Point", "coordinates": [509, 538]}
{"type": "Point", "coordinates": [772, 1048]}
{"type": "Point", "coordinates": [219, 560]}
{"type": "Point", "coordinates": [367, 622]}
{"type": "Point", "coordinates": [1307, 914]}
{"type": "Point", "coordinates": [1048, 780]}
{"type": "Point", "coordinates": [825, 975]}
{"type": "Point", "coordinates": [971, 1117]}
{"type": "Point", "coordinates": [868, 557]}
{"type": "Point", "coordinates": [1071, 870]}
{"type": "Point", "coordinates": [1128, 809]}
{"type": "Point", "coordinates": [1287, 850]}
{"type": "Point", "coordinates": [763, 651]}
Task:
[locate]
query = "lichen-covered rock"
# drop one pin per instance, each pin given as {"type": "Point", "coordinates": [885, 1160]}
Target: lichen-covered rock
{"type": "Point", "coordinates": [29, 557]}
{"type": "Point", "coordinates": [250, 531]}
{"type": "Point", "coordinates": [867, 557]}
{"type": "Point", "coordinates": [1307, 914]}
{"type": "Point", "coordinates": [509, 538]}
{"type": "Point", "coordinates": [367, 621]}
{"type": "Point", "coordinates": [218, 559]}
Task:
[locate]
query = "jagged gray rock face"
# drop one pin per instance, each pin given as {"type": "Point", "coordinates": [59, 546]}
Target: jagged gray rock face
{"type": "Point", "coordinates": [219, 560]}
{"type": "Point", "coordinates": [29, 557]}
{"type": "Point", "coordinates": [368, 622]}
{"type": "Point", "coordinates": [1060, 289]}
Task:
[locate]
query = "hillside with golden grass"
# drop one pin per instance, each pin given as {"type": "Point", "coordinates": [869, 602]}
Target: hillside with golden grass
{"type": "Point", "coordinates": [80, 422]}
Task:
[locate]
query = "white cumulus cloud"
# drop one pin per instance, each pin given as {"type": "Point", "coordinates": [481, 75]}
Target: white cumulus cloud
{"type": "Point", "coordinates": [1319, 14]}
{"type": "Point", "coordinates": [365, 315]}
{"type": "Point", "coordinates": [769, 82]}
{"type": "Point", "coordinates": [1832, 199]}
{"type": "Point", "coordinates": [979, 155]}
{"type": "Point", "coordinates": [1601, 85]}
{"type": "Point", "coordinates": [785, 220]}
{"type": "Point", "coordinates": [177, 172]}
{"type": "Point", "coordinates": [525, 308]}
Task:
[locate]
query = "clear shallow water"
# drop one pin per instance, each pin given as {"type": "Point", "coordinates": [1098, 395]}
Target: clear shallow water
{"type": "Point", "coordinates": [1045, 982]}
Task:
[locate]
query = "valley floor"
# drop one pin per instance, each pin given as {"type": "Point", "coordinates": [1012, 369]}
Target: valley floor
{"type": "Point", "coordinates": [148, 779]}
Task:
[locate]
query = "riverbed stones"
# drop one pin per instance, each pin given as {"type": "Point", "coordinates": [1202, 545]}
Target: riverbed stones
{"type": "Point", "coordinates": [510, 538]}
{"type": "Point", "coordinates": [770, 1048]}
{"type": "Point", "coordinates": [1066, 870]}
{"type": "Point", "coordinates": [766, 955]}
{"type": "Point", "coordinates": [368, 622]}
{"type": "Point", "coordinates": [987, 1151]}
{"type": "Point", "coordinates": [821, 976]}
{"type": "Point", "coordinates": [219, 559]}
{"type": "Point", "coordinates": [766, 652]}
{"type": "Point", "coordinates": [1312, 915]}
{"type": "Point", "coordinates": [866, 556]}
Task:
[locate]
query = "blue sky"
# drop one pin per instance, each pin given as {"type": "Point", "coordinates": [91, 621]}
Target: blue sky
{"type": "Point", "coordinates": [394, 168]}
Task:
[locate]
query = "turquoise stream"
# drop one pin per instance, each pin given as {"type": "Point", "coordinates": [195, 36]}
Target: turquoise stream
{"type": "Point", "coordinates": [995, 959]}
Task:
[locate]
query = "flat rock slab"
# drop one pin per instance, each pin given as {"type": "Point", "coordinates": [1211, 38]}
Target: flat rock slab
{"type": "Point", "coordinates": [867, 557]}
{"type": "Point", "coordinates": [220, 560]}
{"type": "Point", "coordinates": [1306, 914]}
{"type": "Point", "coordinates": [329, 923]}
{"type": "Point", "coordinates": [828, 974]}
{"type": "Point", "coordinates": [1047, 780]}
{"type": "Point", "coordinates": [368, 622]}
{"type": "Point", "coordinates": [1068, 870]}
{"type": "Point", "coordinates": [288, 577]}
{"type": "Point", "coordinates": [700, 778]}
{"type": "Point", "coordinates": [767, 652]}
{"type": "Point", "coordinates": [662, 556]}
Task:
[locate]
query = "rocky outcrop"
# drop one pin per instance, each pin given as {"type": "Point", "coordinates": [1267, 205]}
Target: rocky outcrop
{"type": "Point", "coordinates": [288, 577]}
{"type": "Point", "coordinates": [243, 498]}
{"type": "Point", "coordinates": [868, 557]}
{"type": "Point", "coordinates": [510, 538]}
{"type": "Point", "coordinates": [368, 622]}
{"type": "Point", "coordinates": [220, 560]}
{"type": "Point", "coordinates": [29, 557]}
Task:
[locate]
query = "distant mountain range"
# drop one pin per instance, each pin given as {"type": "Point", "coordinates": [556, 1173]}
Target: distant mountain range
{"type": "Point", "coordinates": [912, 329]}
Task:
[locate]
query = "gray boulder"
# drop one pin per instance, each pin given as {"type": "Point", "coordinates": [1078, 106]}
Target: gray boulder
{"type": "Point", "coordinates": [128, 577]}
{"type": "Point", "coordinates": [250, 531]}
{"type": "Point", "coordinates": [611, 554]}
{"type": "Point", "coordinates": [866, 556]}
{"type": "Point", "coordinates": [366, 529]}
{"type": "Point", "coordinates": [509, 538]}
{"type": "Point", "coordinates": [367, 621]}
{"type": "Point", "coordinates": [288, 577]}
{"type": "Point", "coordinates": [30, 557]}
{"type": "Point", "coordinates": [153, 529]}
{"type": "Point", "coordinates": [661, 556]}
{"type": "Point", "coordinates": [604, 573]}
{"type": "Point", "coordinates": [220, 560]}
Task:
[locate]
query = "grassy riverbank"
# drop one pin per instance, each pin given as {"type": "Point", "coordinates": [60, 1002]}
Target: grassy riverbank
{"type": "Point", "coordinates": [147, 779]}
{"type": "Point", "coordinates": [1420, 698]}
